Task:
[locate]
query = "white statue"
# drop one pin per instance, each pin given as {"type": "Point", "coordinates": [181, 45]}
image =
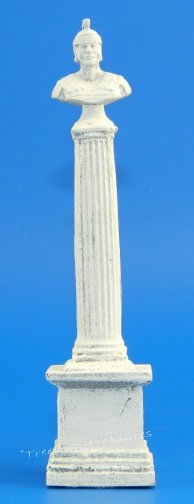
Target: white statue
{"type": "Point", "coordinates": [100, 439]}
{"type": "Point", "coordinates": [90, 85]}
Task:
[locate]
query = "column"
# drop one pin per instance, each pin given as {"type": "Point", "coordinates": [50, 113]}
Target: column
{"type": "Point", "coordinates": [97, 251]}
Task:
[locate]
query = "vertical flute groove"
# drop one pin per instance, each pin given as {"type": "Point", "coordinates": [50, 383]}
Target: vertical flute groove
{"type": "Point", "coordinates": [107, 195]}
{"type": "Point", "coordinates": [115, 241]}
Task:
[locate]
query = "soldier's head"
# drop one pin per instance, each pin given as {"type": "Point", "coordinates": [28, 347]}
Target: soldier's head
{"type": "Point", "coordinates": [87, 46]}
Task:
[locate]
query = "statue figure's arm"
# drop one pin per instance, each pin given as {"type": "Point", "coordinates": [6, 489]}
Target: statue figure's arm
{"type": "Point", "coordinates": [58, 91]}
{"type": "Point", "coordinates": [125, 88]}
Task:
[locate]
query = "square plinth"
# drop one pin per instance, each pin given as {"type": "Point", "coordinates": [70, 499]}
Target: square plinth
{"type": "Point", "coordinates": [100, 430]}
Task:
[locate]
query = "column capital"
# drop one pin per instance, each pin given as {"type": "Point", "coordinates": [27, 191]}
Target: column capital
{"type": "Point", "coordinates": [93, 133]}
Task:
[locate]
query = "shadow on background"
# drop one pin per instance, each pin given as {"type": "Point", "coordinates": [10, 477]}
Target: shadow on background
{"type": "Point", "coordinates": [113, 495]}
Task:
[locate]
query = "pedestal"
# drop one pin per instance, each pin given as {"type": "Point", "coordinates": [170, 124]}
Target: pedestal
{"type": "Point", "coordinates": [100, 427]}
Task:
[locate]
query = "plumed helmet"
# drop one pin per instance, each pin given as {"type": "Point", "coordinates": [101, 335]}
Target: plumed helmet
{"type": "Point", "coordinates": [86, 35]}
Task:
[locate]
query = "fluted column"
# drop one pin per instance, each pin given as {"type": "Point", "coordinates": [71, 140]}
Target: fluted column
{"type": "Point", "coordinates": [97, 252]}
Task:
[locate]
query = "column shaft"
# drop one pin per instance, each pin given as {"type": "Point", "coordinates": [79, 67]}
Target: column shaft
{"type": "Point", "coordinates": [97, 252]}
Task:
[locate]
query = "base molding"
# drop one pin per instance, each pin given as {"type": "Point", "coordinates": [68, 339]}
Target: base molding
{"type": "Point", "coordinates": [99, 351]}
{"type": "Point", "coordinates": [100, 467]}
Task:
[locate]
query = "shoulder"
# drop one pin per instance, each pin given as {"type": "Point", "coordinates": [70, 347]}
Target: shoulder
{"type": "Point", "coordinates": [64, 85]}
{"type": "Point", "coordinates": [119, 82]}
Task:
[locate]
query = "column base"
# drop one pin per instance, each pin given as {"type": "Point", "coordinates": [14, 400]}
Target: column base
{"type": "Point", "coordinates": [99, 351]}
{"type": "Point", "coordinates": [100, 468]}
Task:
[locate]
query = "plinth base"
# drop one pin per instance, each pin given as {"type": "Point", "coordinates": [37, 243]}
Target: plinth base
{"type": "Point", "coordinates": [100, 426]}
{"type": "Point", "coordinates": [100, 468]}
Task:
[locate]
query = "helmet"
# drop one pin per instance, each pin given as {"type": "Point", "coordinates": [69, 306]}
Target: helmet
{"type": "Point", "coordinates": [86, 35]}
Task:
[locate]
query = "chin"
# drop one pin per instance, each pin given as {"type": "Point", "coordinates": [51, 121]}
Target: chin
{"type": "Point", "coordinates": [90, 62]}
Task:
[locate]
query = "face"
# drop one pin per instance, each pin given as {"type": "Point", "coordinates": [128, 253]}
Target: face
{"type": "Point", "coordinates": [88, 54]}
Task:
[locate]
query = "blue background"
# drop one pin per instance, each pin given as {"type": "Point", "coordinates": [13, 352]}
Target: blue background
{"type": "Point", "coordinates": [151, 44]}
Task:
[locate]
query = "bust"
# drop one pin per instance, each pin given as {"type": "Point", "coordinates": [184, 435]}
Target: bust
{"type": "Point", "coordinates": [90, 85]}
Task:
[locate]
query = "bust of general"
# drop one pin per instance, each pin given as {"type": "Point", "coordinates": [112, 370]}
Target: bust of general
{"type": "Point", "coordinates": [90, 85]}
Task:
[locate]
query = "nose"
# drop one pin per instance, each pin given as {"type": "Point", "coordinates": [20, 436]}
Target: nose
{"type": "Point", "coordinates": [88, 49]}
